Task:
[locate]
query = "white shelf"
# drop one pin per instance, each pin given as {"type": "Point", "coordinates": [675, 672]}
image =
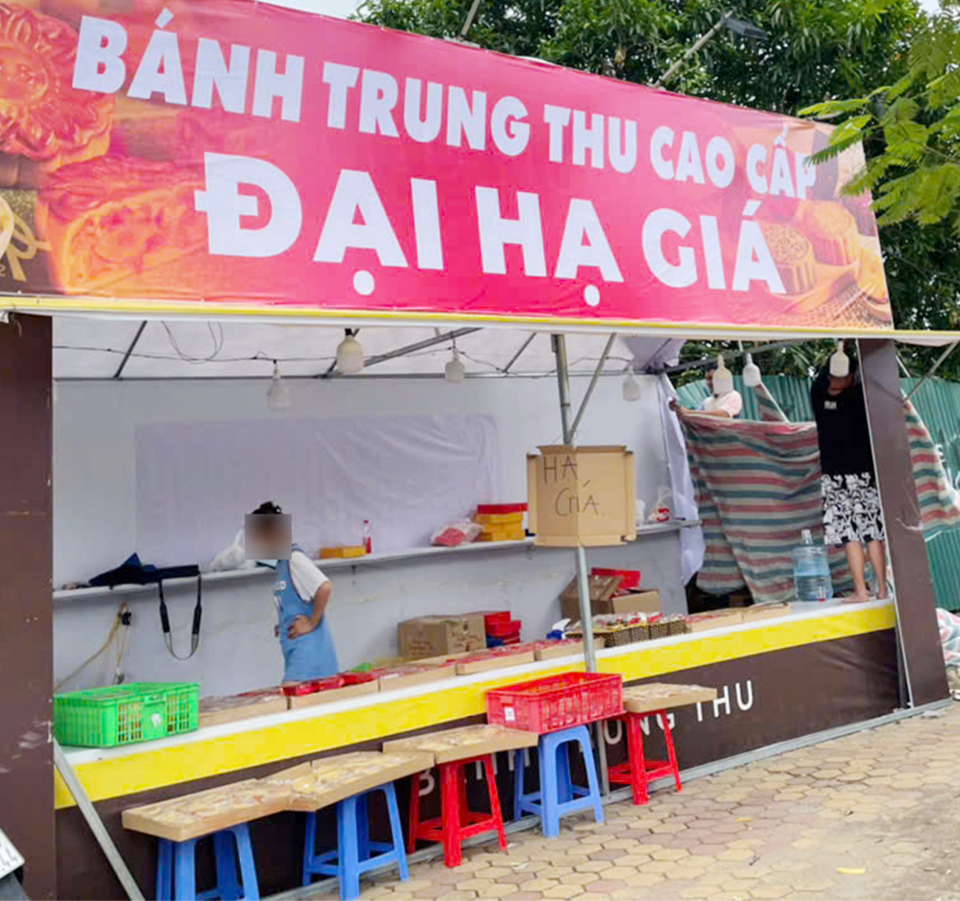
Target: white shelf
{"type": "Point", "coordinates": [79, 594]}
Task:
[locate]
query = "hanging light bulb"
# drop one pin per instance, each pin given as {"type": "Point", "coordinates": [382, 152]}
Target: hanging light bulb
{"type": "Point", "coordinates": [839, 363]}
{"type": "Point", "coordinates": [632, 391]}
{"type": "Point", "coordinates": [751, 373]}
{"type": "Point", "coordinates": [350, 355]}
{"type": "Point", "coordinates": [722, 378]}
{"type": "Point", "coordinates": [455, 371]}
{"type": "Point", "coordinates": [278, 396]}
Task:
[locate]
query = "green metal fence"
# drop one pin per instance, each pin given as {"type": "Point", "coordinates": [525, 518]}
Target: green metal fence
{"type": "Point", "coordinates": [937, 402]}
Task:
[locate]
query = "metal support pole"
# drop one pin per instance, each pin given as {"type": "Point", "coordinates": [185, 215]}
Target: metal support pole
{"type": "Point", "coordinates": [95, 823]}
{"type": "Point", "coordinates": [590, 388]}
{"type": "Point", "coordinates": [583, 578]}
{"type": "Point", "coordinates": [935, 367]}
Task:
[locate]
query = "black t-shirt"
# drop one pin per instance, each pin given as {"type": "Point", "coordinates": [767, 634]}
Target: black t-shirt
{"type": "Point", "coordinates": [842, 428]}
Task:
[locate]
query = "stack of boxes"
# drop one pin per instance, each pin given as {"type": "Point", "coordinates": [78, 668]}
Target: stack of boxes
{"type": "Point", "coordinates": [501, 629]}
{"type": "Point", "coordinates": [501, 522]}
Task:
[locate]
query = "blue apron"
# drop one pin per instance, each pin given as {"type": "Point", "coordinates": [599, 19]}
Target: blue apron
{"type": "Point", "coordinates": [311, 656]}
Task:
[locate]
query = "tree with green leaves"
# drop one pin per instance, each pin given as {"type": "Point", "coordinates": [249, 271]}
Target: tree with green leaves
{"type": "Point", "coordinates": [914, 126]}
{"type": "Point", "coordinates": [818, 50]}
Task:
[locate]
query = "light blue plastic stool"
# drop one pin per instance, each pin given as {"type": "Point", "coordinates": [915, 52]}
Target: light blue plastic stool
{"type": "Point", "coordinates": [355, 854]}
{"type": "Point", "coordinates": [176, 868]}
{"type": "Point", "coordinates": [558, 796]}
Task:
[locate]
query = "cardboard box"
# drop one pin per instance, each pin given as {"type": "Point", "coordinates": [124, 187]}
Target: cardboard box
{"type": "Point", "coordinates": [641, 602]}
{"type": "Point", "coordinates": [334, 694]}
{"type": "Point", "coordinates": [582, 496]}
{"type": "Point", "coordinates": [434, 636]}
{"type": "Point", "coordinates": [715, 619]}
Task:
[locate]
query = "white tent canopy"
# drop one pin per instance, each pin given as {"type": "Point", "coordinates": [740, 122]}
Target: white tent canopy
{"type": "Point", "coordinates": [98, 348]}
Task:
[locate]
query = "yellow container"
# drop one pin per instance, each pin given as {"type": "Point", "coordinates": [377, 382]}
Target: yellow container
{"type": "Point", "coordinates": [342, 553]}
{"type": "Point", "coordinates": [514, 533]}
{"type": "Point", "coordinates": [499, 519]}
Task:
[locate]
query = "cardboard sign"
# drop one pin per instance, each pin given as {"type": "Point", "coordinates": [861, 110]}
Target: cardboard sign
{"type": "Point", "coordinates": [583, 496]}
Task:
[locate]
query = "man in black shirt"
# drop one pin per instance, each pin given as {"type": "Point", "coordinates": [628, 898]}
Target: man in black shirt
{"type": "Point", "coordinates": [851, 502]}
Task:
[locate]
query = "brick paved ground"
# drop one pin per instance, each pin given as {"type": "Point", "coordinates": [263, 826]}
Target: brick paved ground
{"type": "Point", "coordinates": [870, 816]}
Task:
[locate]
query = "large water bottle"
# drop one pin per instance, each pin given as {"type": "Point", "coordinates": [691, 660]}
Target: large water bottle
{"type": "Point", "coordinates": [811, 571]}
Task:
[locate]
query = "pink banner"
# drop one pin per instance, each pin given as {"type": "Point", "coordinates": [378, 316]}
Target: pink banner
{"type": "Point", "coordinates": [240, 155]}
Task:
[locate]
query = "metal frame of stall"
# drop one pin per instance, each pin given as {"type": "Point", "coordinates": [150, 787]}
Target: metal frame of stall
{"type": "Point", "coordinates": [26, 550]}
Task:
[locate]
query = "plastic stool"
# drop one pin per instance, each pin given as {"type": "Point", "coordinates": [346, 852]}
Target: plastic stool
{"type": "Point", "coordinates": [355, 854]}
{"type": "Point", "coordinates": [558, 796]}
{"type": "Point", "coordinates": [176, 868]}
{"type": "Point", "coordinates": [456, 822]}
{"type": "Point", "coordinates": [639, 772]}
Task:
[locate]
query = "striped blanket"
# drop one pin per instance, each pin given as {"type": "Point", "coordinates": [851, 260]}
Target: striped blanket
{"type": "Point", "coordinates": [758, 488]}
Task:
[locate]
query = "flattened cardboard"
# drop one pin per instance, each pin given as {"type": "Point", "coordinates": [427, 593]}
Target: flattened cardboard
{"type": "Point", "coordinates": [410, 679]}
{"type": "Point", "coordinates": [149, 819]}
{"type": "Point", "coordinates": [431, 636]}
{"type": "Point", "coordinates": [656, 696]}
{"type": "Point", "coordinates": [346, 775]}
{"type": "Point", "coordinates": [448, 745]}
{"type": "Point", "coordinates": [334, 694]}
{"type": "Point", "coordinates": [765, 611]}
{"type": "Point", "coordinates": [584, 496]}
{"type": "Point", "coordinates": [495, 661]}
{"type": "Point", "coordinates": [215, 716]}
{"type": "Point", "coordinates": [564, 649]}
{"type": "Point", "coordinates": [716, 619]}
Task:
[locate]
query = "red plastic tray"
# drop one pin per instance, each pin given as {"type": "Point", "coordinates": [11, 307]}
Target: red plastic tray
{"type": "Point", "coordinates": [557, 702]}
{"type": "Point", "coordinates": [314, 685]}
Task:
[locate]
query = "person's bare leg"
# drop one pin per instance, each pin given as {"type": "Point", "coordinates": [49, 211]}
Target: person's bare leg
{"type": "Point", "coordinates": [855, 560]}
{"type": "Point", "coordinates": [878, 560]}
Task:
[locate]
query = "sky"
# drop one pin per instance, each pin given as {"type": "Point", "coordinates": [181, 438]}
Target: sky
{"type": "Point", "coordinates": [342, 8]}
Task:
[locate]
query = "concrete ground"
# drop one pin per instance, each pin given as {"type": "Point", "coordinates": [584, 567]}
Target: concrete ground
{"type": "Point", "coordinates": [874, 815]}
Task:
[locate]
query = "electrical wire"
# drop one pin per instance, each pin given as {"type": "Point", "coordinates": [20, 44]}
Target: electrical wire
{"type": "Point", "coordinates": [117, 623]}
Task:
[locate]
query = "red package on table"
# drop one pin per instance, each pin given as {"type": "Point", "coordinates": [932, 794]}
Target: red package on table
{"type": "Point", "coordinates": [342, 680]}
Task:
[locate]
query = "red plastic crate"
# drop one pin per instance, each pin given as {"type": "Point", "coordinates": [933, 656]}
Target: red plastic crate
{"type": "Point", "coordinates": [497, 618]}
{"type": "Point", "coordinates": [557, 702]}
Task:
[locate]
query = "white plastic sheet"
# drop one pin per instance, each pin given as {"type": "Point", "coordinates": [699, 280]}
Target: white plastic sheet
{"type": "Point", "coordinates": [406, 475]}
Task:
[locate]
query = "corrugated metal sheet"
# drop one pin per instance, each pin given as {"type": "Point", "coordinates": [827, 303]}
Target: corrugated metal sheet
{"type": "Point", "coordinates": [937, 402]}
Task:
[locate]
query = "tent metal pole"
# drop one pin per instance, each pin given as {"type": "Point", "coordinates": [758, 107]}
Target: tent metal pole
{"type": "Point", "coordinates": [519, 353]}
{"type": "Point", "coordinates": [593, 384]}
{"type": "Point", "coordinates": [583, 581]}
{"type": "Point", "coordinates": [933, 369]}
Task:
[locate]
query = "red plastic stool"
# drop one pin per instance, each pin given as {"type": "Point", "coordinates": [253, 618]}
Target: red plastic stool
{"type": "Point", "coordinates": [639, 772]}
{"type": "Point", "coordinates": [456, 821]}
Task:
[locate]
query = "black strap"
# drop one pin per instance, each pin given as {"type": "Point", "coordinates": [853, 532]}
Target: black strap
{"type": "Point", "coordinates": [197, 618]}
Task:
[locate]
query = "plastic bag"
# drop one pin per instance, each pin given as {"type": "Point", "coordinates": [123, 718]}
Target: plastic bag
{"type": "Point", "coordinates": [661, 508]}
{"type": "Point", "coordinates": [457, 533]}
{"type": "Point", "coordinates": [231, 557]}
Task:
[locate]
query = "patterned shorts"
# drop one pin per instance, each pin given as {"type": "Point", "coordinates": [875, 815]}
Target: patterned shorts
{"type": "Point", "coordinates": [851, 509]}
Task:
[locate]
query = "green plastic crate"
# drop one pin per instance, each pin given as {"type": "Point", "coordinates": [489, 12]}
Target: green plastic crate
{"type": "Point", "coordinates": [123, 714]}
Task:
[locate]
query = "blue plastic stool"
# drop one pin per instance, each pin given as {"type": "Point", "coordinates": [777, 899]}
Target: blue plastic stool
{"type": "Point", "coordinates": [176, 868]}
{"type": "Point", "coordinates": [355, 853]}
{"type": "Point", "coordinates": [558, 796]}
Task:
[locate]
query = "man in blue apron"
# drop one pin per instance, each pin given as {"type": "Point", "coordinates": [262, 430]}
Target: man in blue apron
{"type": "Point", "coordinates": [301, 592]}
